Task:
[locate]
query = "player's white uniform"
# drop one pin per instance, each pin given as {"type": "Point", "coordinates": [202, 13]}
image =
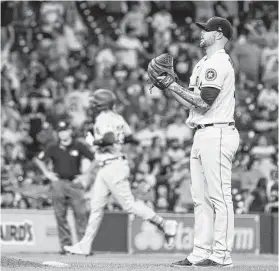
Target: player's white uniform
{"type": "Point", "coordinates": [211, 161]}
{"type": "Point", "coordinates": [112, 177]}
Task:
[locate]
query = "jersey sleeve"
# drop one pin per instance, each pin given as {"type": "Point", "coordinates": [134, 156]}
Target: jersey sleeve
{"type": "Point", "coordinates": [192, 81]}
{"type": "Point", "coordinates": [215, 74]}
{"type": "Point", "coordinates": [195, 74]}
{"type": "Point", "coordinates": [193, 78]}
{"type": "Point", "coordinates": [102, 127]}
{"type": "Point", "coordinates": [112, 124]}
{"type": "Point", "coordinates": [85, 151]}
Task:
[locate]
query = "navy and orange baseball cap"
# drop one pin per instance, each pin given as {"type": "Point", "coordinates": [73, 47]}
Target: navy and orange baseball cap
{"type": "Point", "coordinates": [217, 24]}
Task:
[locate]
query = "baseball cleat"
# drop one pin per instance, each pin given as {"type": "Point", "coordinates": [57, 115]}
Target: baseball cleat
{"type": "Point", "coordinates": [170, 229]}
{"type": "Point", "coordinates": [75, 249]}
{"type": "Point", "coordinates": [62, 252]}
{"type": "Point", "coordinates": [210, 263]}
{"type": "Point", "coordinates": [183, 263]}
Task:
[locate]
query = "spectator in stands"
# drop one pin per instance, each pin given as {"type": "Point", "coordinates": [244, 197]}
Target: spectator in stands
{"type": "Point", "coordinates": [272, 180]}
{"type": "Point", "coordinates": [162, 25]}
{"type": "Point", "coordinates": [221, 10]}
{"type": "Point", "coordinates": [105, 59]}
{"type": "Point", "coordinates": [51, 15]}
{"type": "Point", "coordinates": [265, 121]}
{"type": "Point", "coordinates": [175, 151]}
{"type": "Point", "coordinates": [7, 200]}
{"type": "Point", "coordinates": [184, 203]}
{"type": "Point", "coordinates": [130, 48]}
{"type": "Point", "coordinates": [46, 136]}
{"type": "Point", "coordinates": [144, 182]}
{"type": "Point", "coordinates": [246, 57]}
{"type": "Point", "coordinates": [257, 200]}
{"type": "Point", "coordinates": [269, 60]}
{"type": "Point", "coordinates": [149, 133]}
{"type": "Point", "coordinates": [6, 46]}
{"type": "Point", "coordinates": [162, 203]}
{"type": "Point", "coordinates": [272, 205]}
{"type": "Point", "coordinates": [135, 19]}
{"type": "Point", "coordinates": [35, 115]}
{"type": "Point", "coordinates": [179, 130]}
{"type": "Point", "coordinates": [37, 72]}
{"type": "Point", "coordinates": [57, 112]}
{"type": "Point", "coordinates": [268, 98]}
{"type": "Point", "coordinates": [263, 149]}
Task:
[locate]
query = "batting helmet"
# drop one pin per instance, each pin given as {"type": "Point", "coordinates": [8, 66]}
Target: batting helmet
{"type": "Point", "coordinates": [102, 99]}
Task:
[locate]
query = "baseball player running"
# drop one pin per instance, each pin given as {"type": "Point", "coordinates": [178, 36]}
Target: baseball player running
{"type": "Point", "coordinates": [110, 132]}
{"type": "Point", "coordinates": [211, 101]}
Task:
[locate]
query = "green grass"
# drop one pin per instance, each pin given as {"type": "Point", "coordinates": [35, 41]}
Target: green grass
{"type": "Point", "coordinates": [111, 262]}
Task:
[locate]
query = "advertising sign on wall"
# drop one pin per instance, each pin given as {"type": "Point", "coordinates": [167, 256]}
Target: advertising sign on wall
{"type": "Point", "coordinates": [36, 231]}
{"type": "Point", "coordinates": [17, 233]}
{"type": "Point", "coordinates": [147, 238]}
{"type": "Point", "coordinates": [28, 230]}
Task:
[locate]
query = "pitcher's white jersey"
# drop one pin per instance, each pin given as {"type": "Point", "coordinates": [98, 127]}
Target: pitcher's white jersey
{"type": "Point", "coordinates": [109, 121]}
{"type": "Point", "coordinates": [216, 71]}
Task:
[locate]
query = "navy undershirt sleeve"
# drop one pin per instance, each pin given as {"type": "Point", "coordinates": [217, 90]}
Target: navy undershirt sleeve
{"type": "Point", "coordinates": [209, 94]}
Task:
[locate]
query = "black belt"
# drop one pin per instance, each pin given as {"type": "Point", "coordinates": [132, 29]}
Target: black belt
{"type": "Point", "coordinates": [107, 161]}
{"type": "Point", "coordinates": [67, 179]}
{"type": "Point", "coordinates": [201, 126]}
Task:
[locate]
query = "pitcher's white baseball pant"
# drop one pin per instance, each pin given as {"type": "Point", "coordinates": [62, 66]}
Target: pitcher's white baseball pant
{"type": "Point", "coordinates": [211, 162]}
{"type": "Point", "coordinates": [112, 178]}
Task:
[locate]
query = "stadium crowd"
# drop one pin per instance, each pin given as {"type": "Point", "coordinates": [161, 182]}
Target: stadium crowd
{"type": "Point", "coordinates": [54, 54]}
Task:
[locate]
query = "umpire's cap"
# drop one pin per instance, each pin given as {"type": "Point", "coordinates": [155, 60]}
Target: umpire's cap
{"type": "Point", "coordinates": [102, 99]}
{"type": "Point", "coordinates": [63, 125]}
{"type": "Point", "coordinates": [217, 24]}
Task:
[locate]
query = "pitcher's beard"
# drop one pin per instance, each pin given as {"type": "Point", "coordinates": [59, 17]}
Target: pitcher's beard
{"type": "Point", "coordinates": [206, 43]}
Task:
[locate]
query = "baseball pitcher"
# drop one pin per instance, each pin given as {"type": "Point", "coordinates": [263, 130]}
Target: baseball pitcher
{"type": "Point", "coordinates": [210, 98]}
{"type": "Point", "coordinates": [111, 131]}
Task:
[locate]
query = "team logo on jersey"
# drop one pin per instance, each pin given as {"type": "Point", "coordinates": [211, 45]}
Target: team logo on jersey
{"type": "Point", "coordinates": [210, 74]}
{"type": "Point", "coordinates": [74, 153]}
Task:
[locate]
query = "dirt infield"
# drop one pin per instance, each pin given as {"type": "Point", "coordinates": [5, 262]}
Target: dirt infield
{"type": "Point", "coordinates": [109, 262]}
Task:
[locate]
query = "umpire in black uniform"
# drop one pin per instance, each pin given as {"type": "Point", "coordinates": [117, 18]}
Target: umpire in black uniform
{"type": "Point", "coordinates": [66, 156]}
